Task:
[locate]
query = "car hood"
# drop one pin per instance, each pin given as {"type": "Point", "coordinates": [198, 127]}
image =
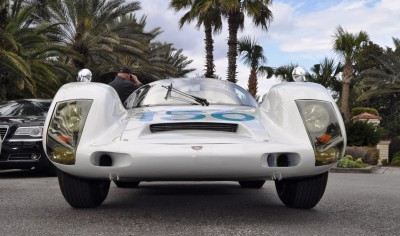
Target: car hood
{"type": "Point", "coordinates": [22, 120]}
{"type": "Point", "coordinates": [221, 124]}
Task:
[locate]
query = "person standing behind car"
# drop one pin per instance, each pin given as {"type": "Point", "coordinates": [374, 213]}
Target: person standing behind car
{"type": "Point", "coordinates": [125, 83]}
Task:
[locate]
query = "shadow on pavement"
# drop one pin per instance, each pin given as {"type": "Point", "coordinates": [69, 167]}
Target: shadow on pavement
{"type": "Point", "coordinates": [15, 174]}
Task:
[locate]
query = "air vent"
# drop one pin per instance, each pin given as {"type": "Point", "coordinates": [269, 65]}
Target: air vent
{"type": "Point", "coordinates": [193, 126]}
{"type": "Point", "coordinates": [3, 131]}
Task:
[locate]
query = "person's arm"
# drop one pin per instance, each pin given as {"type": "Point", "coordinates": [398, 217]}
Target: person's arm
{"type": "Point", "coordinates": [135, 80]}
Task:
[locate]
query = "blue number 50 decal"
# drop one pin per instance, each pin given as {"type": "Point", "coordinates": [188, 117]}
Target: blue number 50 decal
{"type": "Point", "coordinates": [198, 115]}
{"type": "Point", "coordinates": [233, 116]}
{"type": "Point", "coordinates": [184, 115]}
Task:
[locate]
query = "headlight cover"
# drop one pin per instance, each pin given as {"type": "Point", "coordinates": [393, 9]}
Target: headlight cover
{"type": "Point", "coordinates": [323, 129]}
{"type": "Point", "coordinates": [65, 129]}
{"type": "Point", "coordinates": [34, 131]}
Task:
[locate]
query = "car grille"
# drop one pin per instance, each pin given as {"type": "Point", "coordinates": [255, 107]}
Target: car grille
{"type": "Point", "coordinates": [154, 128]}
{"type": "Point", "coordinates": [3, 131]}
{"type": "Point", "coordinates": [21, 156]}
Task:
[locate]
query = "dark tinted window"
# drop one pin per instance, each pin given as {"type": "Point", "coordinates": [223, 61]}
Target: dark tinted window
{"type": "Point", "coordinates": [24, 108]}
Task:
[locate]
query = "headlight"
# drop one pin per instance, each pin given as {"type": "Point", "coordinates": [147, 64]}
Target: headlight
{"type": "Point", "coordinates": [35, 131]}
{"type": "Point", "coordinates": [65, 129]}
{"type": "Point", "coordinates": [323, 130]}
{"type": "Point", "coordinates": [316, 117]}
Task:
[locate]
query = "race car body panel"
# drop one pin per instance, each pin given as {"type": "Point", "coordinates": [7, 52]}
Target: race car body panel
{"type": "Point", "coordinates": [160, 138]}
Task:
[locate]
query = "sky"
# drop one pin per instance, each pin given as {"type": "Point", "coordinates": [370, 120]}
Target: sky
{"type": "Point", "coordinates": [301, 32]}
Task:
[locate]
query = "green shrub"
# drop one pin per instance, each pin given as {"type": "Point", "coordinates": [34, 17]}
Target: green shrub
{"type": "Point", "coordinates": [347, 162]}
{"type": "Point", "coordinates": [396, 159]}
{"type": "Point", "coordinates": [359, 110]}
{"type": "Point", "coordinates": [360, 133]}
{"type": "Point", "coordinates": [394, 147]}
{"type": "Point", "coordinates": [384, 162]}
{"type": "Point", "coordinates": [368, 155]}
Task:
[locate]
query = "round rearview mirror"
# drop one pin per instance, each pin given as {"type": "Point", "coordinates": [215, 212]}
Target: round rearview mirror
{"type": "Point", "coordinates": [299, 74]}
{"type": "Point", "coordinates": [84, 75]}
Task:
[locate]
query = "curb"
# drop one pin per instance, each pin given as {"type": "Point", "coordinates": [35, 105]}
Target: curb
{"type": "Point", "coordinates": [367, 170]}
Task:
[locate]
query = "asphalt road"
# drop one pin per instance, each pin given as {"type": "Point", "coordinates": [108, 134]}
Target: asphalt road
{"type": "Point", "coordinates": [353, 204]}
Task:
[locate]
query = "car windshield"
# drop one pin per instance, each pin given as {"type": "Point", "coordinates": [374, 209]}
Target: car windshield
{"type": "Point", "coordinates": [215, 92]}
{"type": "Point", "coordinates": [19, 108]}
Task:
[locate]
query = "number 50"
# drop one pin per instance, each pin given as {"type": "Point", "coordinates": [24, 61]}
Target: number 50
{"type": "Point", "coordinates": [198, 115]}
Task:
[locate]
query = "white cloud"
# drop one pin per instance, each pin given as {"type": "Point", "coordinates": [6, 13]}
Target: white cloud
{"type": "Point", "coordinates": [298, 33]}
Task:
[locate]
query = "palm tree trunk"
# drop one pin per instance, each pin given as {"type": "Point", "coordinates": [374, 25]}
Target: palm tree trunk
{"type": "Point", "coordinates": [3, 13]}
{"type": "Point", "coordinates": [233, 28]}
{"type": "Point", "coordinates": [3, 17]}
{"type": "Point", "coordinates": [253, 83]}
{"type": "Point", "coordinates": [209, 51]}
{"type": "Point", "coordinates": [344, 106]}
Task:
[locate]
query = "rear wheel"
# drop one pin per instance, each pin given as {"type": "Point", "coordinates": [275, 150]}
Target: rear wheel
{"type": "Point", "coordinates": [252, 184]}
{"type": "Point", "coordinates": [121, 184]}
{"type": "Point", "coordinates": [83, 193]}
{"type": "Point", "coordinates": [302, 193]}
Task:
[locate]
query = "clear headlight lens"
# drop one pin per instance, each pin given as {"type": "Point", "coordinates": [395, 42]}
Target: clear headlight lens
{"type": "Point", "coordinates": [323, 130]}
{"type": "Point", "coordinates": [316, 117]}
{"type": "Point", "coordinates": [65, 129]}
{"type": "Point", "coordinates": [34, 131]}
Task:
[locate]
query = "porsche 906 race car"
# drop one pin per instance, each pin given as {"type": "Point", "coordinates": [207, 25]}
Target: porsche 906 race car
{"type": "Point", "coordinates": [193, 130]}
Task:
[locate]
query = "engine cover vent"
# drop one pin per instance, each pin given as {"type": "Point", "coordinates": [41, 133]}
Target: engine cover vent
{"type": "Point", "coordinates": [225, 127]}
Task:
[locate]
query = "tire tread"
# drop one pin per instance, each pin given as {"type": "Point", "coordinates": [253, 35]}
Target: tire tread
{"type": "Point", "coordinates": [82, 193]}
{"type": "Point", "coordinates": [302, 193]}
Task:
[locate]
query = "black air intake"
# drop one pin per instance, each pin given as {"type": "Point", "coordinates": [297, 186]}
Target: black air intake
{"type": "Point", "coordinates": [193, 126]}
{"type": "Point", "coordinates": [3, 131]}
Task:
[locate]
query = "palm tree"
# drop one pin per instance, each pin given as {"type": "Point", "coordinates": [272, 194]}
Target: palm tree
{"type": "Point", "coordinates": [28, 58]}
{"type": "Point", "coordinates": [151, 60]}
{"type": "Point", "coordinates": [327, 74]}
{"type": "Point", "coordinates": [134, 47]}
{"type": "Point", "coordinates": [253, 56]}
{"type": "Point", "coordinates": [235, 10]}
{"type": "Point", "coordinates": [347, 45]}
{"type": "Point", "coordinates": [4, 5]}
{"type": "Point", "coordinates": [207, 13]}
{"type": "Point", "coordinates": [396, 42]}
{"type": "Point", "coordinates": [86, 28]}
{"type": "Point", "coordinates": [164, 62]}
{"type": "Point", "coordinates": [284, 73]}
{"type": "Point", "coordinates": [385, 81]}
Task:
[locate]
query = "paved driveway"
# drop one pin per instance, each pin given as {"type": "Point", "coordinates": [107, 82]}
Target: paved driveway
{"type": "Point", "coordinates": [353, 204]}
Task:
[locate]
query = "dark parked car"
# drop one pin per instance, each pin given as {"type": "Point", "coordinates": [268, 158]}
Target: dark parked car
{"type": "Point", "coordinates": [21, 130]}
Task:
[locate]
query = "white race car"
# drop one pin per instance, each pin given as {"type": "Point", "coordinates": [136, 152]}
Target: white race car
{"type": "Point", "coordinates": [193, 130]}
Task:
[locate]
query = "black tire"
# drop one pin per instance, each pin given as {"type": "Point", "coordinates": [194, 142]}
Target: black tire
{"type": "Point", "coordinates": [252, 184]}
{"type": "Point", "coordinates": [121, 184]}
{"type": "Point", "coordinates": [82, 193]}
{"type": "Point", "coordinates": [302, 193]}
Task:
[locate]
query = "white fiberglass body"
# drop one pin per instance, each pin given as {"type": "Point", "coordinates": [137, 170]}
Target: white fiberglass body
{"type": "Point", "coordinates": [162, 134]}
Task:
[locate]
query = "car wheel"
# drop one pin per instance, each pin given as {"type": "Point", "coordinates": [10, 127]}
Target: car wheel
{"type": "Point", "coordinates": [252, 184]}
{"type": "Point", "coordinates": [83, 193]}
{"type": "Point", "coordinates": [121, 184]}
{"type": "Point", "coordinates": [302, 193]}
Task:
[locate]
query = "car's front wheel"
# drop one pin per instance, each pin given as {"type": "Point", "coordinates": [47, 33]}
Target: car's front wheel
{"type": "Point", "coordinates": [302, 193]}
{"type": "Point", "coordinates": [121, 184]}
{"type": "Point", "coordinates": [252, 184]}
{"type": "Point", "coordinates": [83, 193]}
